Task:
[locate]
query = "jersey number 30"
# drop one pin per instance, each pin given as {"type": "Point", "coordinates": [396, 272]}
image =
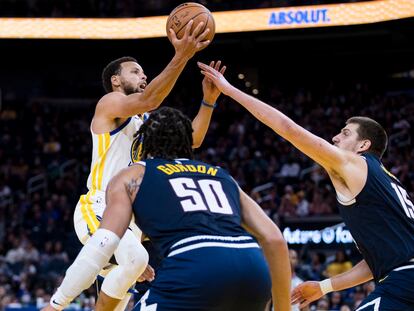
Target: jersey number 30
{"type": "Point", "coordinates": [407, 205]}
{"type": "Point", "coordinates": [201, 195]}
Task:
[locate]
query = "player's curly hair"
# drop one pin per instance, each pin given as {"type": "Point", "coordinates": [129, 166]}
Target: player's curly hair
{"type": "Point", "coordinates": [114, 68]}
{"type": "Point", "coordinates": [167, 134]}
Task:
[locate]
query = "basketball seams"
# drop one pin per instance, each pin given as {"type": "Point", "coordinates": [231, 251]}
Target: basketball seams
{"type": "Point", "coordinates": [205, 24]}
{"type": "Point", "coordinates": [194, 17]}
{"type": "Point", "coordinates": [181, 15]}
{"type": "Point", "coordinates": [213, 29]}
{"type": "Point", "coordinates": [193, 5]}
{"type": "Point", "coordinates": [173, 13]}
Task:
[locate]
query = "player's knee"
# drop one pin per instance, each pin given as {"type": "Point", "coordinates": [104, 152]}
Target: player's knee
{"type": "Point", "coordinates": [134, 259]}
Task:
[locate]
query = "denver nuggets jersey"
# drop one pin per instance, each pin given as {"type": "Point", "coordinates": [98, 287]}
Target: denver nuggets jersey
{"type": "Point", "coordinates": [111, 152]}
{"type": "Point", "coordinates": [381, 220]}
{"type": "Point", "coordinates": [185, 201]}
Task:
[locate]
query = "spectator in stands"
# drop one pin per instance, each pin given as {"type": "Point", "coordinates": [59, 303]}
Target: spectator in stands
{"type": "Point", "coordinates": [336, 301]}
{"type": "Point", "coordinates": [323, 304]}
{"type": "Point", "coordinates": [319, 205]}
{"type": "Point", "coordinates": [229, 144]}
{"type": "Point", "coordinates": [302, 208]}
{"type": "Point", "coordinates": [345, 307]}
{"type": "Point", "coordinates": [293, 258]}
{"type": "Point", "coordinates": [339, 265]}
{"type": "Point", "coordinates": [288, 203]}
{"type": "Point", "coordinates": [313, 270]}
{"type": "Point", "coordinates": [290, 170]}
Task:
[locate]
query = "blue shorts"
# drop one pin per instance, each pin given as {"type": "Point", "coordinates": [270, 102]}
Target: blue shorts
{"type": "Point", "coordinates": [210, 279]}
{"type": "Point", "coordinates": [394, 293]}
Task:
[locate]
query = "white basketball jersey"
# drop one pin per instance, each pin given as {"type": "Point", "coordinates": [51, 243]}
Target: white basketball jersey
{"type": "Point", "coordinates": [111, 152]}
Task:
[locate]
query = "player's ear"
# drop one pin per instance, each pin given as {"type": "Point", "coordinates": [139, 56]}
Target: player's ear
{"type": "Point", "coordinates": [116, 82]}
{"type": "Point", "coordinates": [365, 145]}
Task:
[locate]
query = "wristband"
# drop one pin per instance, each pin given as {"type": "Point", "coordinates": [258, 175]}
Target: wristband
{"type": "Point", "coordinates": [58, 301]}
{"type": "Point", "coordinates": [203, 103]}
{"type": "Point", "coordinates": [326, 286]}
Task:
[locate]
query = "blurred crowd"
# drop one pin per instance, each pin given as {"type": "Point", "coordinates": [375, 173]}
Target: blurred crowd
{"type": "Point", "coordinates": [39, 189]}
{"type": "Point", "coordinates": [319, 267]}
{"type": "Point", "coordinates": [132, 8]}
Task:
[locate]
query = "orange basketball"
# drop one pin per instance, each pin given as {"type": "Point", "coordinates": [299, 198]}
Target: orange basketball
{"type": "Point", "coordinates": [183, 13]}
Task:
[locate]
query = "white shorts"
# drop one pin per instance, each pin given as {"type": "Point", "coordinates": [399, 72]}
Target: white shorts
{"type": "Point", "coordinates": [88, 214]}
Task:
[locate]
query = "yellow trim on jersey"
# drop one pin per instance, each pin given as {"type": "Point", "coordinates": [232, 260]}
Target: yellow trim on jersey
{"type": "Point", "coordinates": [95, 167]}
{"type": "Point", "coordinates": [102, 156]}
{"type": "Point", "coordinates": [388, 172]}
{"type": "Point", "coordinates": [97, 174]}
{"type": "Point", "coordinates": [104, 141]}
{"type": "Point", "coordinates": [382, 279]}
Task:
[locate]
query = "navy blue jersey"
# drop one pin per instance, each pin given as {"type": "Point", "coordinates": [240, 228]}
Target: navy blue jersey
{"type": "Point", "coordinates": [185, 198]}
{"type": "Point", "coordinates": [381, 220]}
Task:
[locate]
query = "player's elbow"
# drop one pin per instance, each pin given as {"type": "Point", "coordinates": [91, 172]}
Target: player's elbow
{"type": "Point", "coordinates": [289, 129]}
{"type": "Point", "coordinates": [196, 143]}
{"type": "Point", "coordinates": [275, 240]}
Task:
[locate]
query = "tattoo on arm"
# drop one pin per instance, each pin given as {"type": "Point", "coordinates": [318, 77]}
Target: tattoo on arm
{"type": "Point", "coordinates": [132, 187]}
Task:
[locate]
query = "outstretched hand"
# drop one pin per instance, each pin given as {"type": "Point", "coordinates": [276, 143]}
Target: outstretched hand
{"type": "Point", "coordinates": [210, 91]}
{"type": "Point", "coordinates": [306, 293]}
{"type": "Point", "coordinates": [216, 77]}
{"type": "Point", "coordinates": [191, 42]}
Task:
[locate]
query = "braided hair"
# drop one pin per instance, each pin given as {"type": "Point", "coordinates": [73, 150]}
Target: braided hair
{"type": "Point", "coordinates": [167, 134]}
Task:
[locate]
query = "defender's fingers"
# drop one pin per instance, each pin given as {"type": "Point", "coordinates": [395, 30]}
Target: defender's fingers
{"type": "Point", "coordinates": [206, 68]}
{"type": "Point", "coordinates": [208, 75]}
{"type": "Point", "coordinates": [217, 66]}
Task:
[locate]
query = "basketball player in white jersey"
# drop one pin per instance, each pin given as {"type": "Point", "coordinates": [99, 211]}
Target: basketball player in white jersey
{"type": "Point", "coordinates": [118, 116]}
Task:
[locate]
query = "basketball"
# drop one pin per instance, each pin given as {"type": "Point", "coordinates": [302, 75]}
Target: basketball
{"type": "Point", "coordinates": [182, 14]}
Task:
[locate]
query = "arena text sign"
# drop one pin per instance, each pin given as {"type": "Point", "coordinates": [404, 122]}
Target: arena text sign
{"type": "Point", "coordinates": [326, 236]}
{"type": "Point", "coordinates": [336, 14]}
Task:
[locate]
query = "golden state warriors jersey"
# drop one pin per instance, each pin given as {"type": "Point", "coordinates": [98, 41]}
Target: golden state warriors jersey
{"type": "Point", "coordinates": [111, 152]}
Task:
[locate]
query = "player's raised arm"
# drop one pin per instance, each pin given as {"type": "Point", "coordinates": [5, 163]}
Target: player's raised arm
{"type": "Point", "coordinates": [274, 247]}
{"type": "Point", "coordinates": [315, 147]}
{"type": "Point", "coordinates": [118, 105]}
{"type": "Point", "coordinates": [210, 94]}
